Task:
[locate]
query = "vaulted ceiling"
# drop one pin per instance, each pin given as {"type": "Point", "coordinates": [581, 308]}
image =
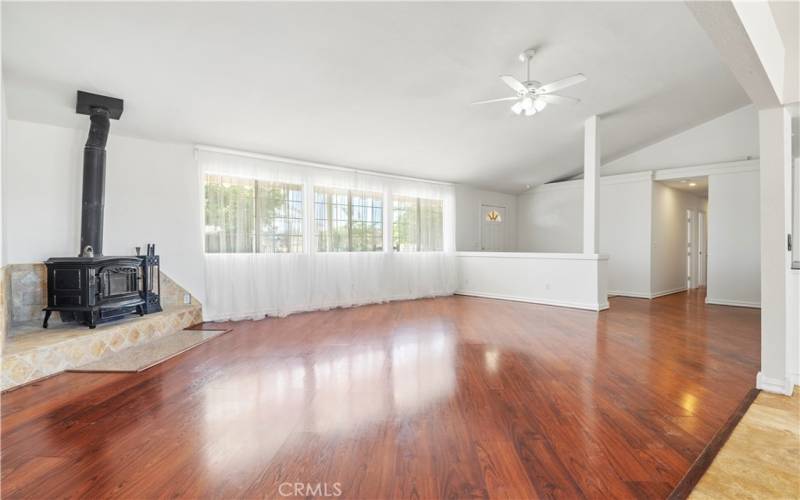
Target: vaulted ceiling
{"type": "Point", "coordinates": [380, 86]}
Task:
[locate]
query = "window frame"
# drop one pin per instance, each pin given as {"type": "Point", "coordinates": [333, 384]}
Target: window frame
{"type": "Point", "coordinates": [418, 202]}
{"type": "Point", "coordinates": [329, 211]}
{"type": "Point", "coordinates": [256, 236]}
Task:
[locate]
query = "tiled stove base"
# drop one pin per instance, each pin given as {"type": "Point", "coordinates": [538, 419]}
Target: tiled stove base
{"type": "Point", "coordinates": [31, 352]}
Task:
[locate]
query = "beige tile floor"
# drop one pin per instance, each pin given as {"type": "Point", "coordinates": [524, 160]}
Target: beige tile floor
{"type": "Point", "coordinates": [761, 460]}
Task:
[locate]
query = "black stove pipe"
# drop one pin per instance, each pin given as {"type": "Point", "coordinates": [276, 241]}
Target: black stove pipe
{"type": "Point", "coordinates": [94, 181]}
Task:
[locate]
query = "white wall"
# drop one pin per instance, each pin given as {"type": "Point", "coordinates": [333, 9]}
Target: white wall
{"type": "Point", "coordinates": [733, 136]}
{"type": "Point", "coordinates": [793, 326]}
{"type": "Point", "coordinates": [569, 280]}
{"type": "Point", "coordinates": [734, 254]}
{"type": "Point", "coordinates": [3, 128]}
{"type": "Point", "coordinates": [468, 217]}
{"type": "Point", "coordinates": [670, 238]}
{"type": "Point", "coordinates": [551, 220]}
{"type": "Point", "coordinates": [796, 208]}
{"type": "Point", "coordinates": [151, 196]}
{"type": "Point", "coordinates": [625, 229]}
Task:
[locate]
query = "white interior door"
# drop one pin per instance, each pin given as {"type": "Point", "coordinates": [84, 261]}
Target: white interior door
{"type": "Point", "coordinates": [493, 228]}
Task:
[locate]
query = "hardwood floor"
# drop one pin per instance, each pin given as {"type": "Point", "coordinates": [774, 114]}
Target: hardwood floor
{"type": "Point", "coordinates": [438, 398]}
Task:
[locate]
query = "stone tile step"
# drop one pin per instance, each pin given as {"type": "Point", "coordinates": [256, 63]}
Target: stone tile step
{"type": "Point", "coordinates": [32, 352]}
{"type": "Point", "coordinates": [143, 356]}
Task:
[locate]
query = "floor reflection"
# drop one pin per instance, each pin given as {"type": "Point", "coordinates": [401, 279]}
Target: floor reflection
{"type": "Point", "coordinates": [336, 389]}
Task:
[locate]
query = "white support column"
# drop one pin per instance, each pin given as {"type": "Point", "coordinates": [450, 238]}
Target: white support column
{"type": "Point", "coordinates": [775, 150]}
{"type": "Point", "coordinates": [591, 184]}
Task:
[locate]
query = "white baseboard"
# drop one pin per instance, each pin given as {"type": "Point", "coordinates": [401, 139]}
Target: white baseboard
{"type": "Point", "coordinates": [734, 303]}
{"type": "Point", "coordinates": [778, 386]}
{"type": "Point", "coordinates": [636, 295]}
{"type": "Point", "coordinates": [325, 306]}
{"type": "Point", "coordinates": [667, 292]}
{"type": "Point", "coordinates": [531, 300]}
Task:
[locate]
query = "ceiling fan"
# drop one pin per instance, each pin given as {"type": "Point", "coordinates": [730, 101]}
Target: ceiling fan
{"type": "Point", "coordinates": [532, 96]}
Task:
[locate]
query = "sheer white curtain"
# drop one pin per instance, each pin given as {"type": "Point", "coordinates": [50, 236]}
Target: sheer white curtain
{"type": "Point", "coordinates": [249, 272]}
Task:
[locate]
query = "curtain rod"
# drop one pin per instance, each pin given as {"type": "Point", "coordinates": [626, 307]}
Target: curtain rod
{"type": "Point", "coordinates": [261, 156]}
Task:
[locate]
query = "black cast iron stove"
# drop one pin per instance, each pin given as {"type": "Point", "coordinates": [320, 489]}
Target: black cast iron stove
{"type": "Point", "coordinates": [93, 288]}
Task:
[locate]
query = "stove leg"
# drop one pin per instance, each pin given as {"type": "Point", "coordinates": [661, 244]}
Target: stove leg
{"type": "Point", "coordinates": [46, 318]}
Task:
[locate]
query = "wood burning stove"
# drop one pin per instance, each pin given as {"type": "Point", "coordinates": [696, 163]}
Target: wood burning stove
{"type": "Point", "coordinates": [93, 288]}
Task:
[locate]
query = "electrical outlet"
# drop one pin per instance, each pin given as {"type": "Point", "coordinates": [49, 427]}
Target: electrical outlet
{"type": "Point", "coordinates": [187, 299]}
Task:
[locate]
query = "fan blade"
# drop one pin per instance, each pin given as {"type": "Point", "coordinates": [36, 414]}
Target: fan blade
{"type": "Point", "coordinates": [515, 84]}
{"type": "Point", "coordinates": [561, 84]}
{"type": "Point", "coordinates": [557, 99]}
{"type": "Point", "coordinates": [496, 100]}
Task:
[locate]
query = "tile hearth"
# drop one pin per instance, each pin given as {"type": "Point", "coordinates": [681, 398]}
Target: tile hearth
{"type": "Point", "coordinates": [31, 352]}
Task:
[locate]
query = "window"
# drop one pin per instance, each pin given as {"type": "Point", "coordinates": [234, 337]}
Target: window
{"type": "Point", "coordinates": [417, 225]}
{"type": "Point", "coordinates": [252, 216]}
{"type": "Point", "coordinates": [348, 221]}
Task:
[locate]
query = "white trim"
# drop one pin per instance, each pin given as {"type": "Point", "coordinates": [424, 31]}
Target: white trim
{"type": "Point", "coordinates": [301, 308]}
{"type": "Point", "coordinates": [662, 293]}
{"type": "Point", "coordinates": [794, 378]}
{"type": "Point", "coordinates": [293, 161]}
{"type": "Point", "coordinates": [635, 295]}
{"type": "Point", "coordinates": [734, 303]}
{"type": "Point", "coordinates": [777, 386]}
{"type": "Point", "coordinates": [533, 255]}
{"type": "Point", "coordinates": [572, 305]}
{"type": "Point", "coordinates": [730, 167]}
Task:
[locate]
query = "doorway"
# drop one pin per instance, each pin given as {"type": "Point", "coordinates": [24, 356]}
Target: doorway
{"type": "Point", "coordinates": [493, 228]}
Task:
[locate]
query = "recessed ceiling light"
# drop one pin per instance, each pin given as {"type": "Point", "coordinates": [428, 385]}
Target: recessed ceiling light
{"type": "Point", "coordinates": [692, 184]}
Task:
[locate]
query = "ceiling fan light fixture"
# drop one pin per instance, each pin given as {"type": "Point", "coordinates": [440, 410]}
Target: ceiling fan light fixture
{"type": "Point", "coordinates": [539, 104]}
{"type": "Point", "coordinates": [527, 103]}
{"type": "Point", "coordinates": [517, 108]}
{"type": "Point", "coordinates": [530, 111]}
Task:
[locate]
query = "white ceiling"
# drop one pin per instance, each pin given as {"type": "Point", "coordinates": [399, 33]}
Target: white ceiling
{"type": "Point", "coordinates": [700, 187]}
{"type": "Point", "coordinates": [379, 86]}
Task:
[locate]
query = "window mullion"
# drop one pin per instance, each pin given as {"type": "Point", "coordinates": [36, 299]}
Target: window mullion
{"type": "Point", "coordinates": [349, 221]}
{"type": "Point", "coordinates": [257, 240]}
{"type": "Point", "coordinates": [419, 225]}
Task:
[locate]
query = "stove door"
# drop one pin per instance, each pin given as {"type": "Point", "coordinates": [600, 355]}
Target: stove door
{"type": "Point", "coordinates": [118, 282]}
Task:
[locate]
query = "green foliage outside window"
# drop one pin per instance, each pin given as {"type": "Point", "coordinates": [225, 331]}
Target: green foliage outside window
{"type": "Point", "coordinates": [252, 216]}
{"type": "Point", "coordinates": [348, 221]}
{"type": "Point", "coordinates": [417, 225]}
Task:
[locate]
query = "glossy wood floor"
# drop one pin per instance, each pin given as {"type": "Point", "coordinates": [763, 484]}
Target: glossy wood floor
{"type": "Point", "coordinates": [440, 398]}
